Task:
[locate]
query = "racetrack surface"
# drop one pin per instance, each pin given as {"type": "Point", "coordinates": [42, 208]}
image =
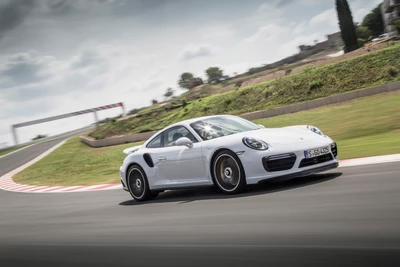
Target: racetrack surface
{"type": "Point", "coordinates": [14, 160]}
{"type": "Point", "coordinates": [346, 217]}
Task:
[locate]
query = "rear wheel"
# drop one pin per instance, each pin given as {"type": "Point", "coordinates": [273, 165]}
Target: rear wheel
{"type": "Point", "coordinates": [228, 172]}
{"type": "Point", "coordinates": [138, 185]}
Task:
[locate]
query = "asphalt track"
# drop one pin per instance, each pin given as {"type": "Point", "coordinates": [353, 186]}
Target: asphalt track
{"type": "Point", "coordinates": [346, 217]}
{"type": "Point", "coordinates": [12, 161]}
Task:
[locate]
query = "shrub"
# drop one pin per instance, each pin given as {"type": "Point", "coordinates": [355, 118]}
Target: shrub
{"type": "Point", "coordinates": [309, 69]}
{"type": "Point", "coordinates": [315, 84]}
{"type": "Point", "coordinates": [391, 72]}
{"type": "Point", "coordinates": [184, 102]}
{"type": "Point", "coordinates": [267, 93]}
{"type": "Point", "coordinates": [97, 136]}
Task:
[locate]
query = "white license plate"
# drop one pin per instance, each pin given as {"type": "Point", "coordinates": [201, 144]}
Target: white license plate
{"type": "Point", "coordinates": [316, 152]}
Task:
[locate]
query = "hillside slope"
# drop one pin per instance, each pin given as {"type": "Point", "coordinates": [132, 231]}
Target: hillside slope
{"type": "Point", "coordinates": [371, 69]}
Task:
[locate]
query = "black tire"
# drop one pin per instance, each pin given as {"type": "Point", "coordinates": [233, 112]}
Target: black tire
{"type": "Point", "coordinates": [228, 173]}
{"type": "Point", "coordinates": [138, 184]}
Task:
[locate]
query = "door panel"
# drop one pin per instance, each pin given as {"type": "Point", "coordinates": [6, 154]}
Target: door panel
{"type": "Point", "coordinates": [178, 165]}
{"type": "Point", "coordinates": [181, 164]}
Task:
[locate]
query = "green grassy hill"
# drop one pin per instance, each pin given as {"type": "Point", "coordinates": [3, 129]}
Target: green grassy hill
{"type": "Point", "coordinates": [364, 71]}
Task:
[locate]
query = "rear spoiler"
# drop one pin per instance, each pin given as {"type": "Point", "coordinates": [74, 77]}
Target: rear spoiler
{"type": "Point", "coordinates": [130, 150]}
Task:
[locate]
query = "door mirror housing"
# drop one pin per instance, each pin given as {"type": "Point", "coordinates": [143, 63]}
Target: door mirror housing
{"type": "Point", "coordinates": [262, 126]}
{"type": "Point", "coordinates": [184, 141]}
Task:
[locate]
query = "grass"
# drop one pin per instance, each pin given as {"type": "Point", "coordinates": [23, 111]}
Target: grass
{"type": "Point", "coordinates": [368, 70]}
{"type": "Point", "coordinates": [9, 150]}
{"type": "Point", "coordinates": [363, 127]}
{"type": "Point", "coordinates": [265, 72]}
{"type": "Point", "coordinates": [74, 163]}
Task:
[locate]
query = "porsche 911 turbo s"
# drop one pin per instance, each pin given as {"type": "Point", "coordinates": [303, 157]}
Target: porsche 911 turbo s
{"type": "Point", "coordinates": [225, 151]}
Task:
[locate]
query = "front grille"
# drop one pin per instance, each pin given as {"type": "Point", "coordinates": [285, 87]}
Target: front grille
{"type": "Point", "coordinates": [334, 149]}
{"type": "Point", "coordinates": [279, 162]}
{"type": "Point", "coordinates": [316, 160]}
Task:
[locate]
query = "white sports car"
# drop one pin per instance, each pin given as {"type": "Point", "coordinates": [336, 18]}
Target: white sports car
{"type": "Point", "coordinates": [226, 151]}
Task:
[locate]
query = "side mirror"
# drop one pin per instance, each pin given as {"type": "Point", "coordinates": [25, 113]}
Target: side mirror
{"type": "Point", "coordinates": [262, 126]}
{"type": "Point", "coordinates": [184, 141]}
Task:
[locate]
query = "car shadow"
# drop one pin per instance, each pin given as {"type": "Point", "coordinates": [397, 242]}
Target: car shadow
{"type": "Point", "coordinates": [189, 195]}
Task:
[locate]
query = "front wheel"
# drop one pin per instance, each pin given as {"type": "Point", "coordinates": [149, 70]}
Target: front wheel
{"type": "Point", "coordinates": [228, 173]}
{"type": "Point", "coordinates": [138, 185]}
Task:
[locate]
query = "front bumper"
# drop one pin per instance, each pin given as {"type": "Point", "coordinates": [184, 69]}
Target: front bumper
{"type": "Point", "coordinates": [304, 173]}
{"type": "Point", "coordinates": [261, 166]}
{"type": "Point", "coordinates": [122, 179]}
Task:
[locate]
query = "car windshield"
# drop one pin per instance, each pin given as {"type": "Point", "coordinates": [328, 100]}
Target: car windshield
{"type": "Point", "coordinates": [216, 127]}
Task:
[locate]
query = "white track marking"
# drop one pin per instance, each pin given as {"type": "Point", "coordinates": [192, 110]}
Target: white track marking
{"type": "Point", "coordinates": [369, 160]}
{"type": "Point", "coordinates": [15, 151]}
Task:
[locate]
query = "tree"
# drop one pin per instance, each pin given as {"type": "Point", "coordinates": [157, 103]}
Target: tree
{"type": "Point", "coordinates": [214, 74]}
{"type": "Point", "coordinates": [346, 26]}
{"type": "Point", "coordinates": [169, 92]}
{"type": "Point", "coordinates": [374, 21]}
{"type": "Point", "coordinates": [397, 25]}
{"type": "Point", "coordinates": [363, 34]}
{"type": "Point", "coordinates": [195, 82]}
{"type": "Point", "coordinates": [153, 102]}
{"type": "Point", "coordinates": [186, 80]}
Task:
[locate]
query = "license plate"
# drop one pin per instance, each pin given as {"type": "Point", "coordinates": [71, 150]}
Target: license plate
{"type": "Point", "coordinates": [316, 152]}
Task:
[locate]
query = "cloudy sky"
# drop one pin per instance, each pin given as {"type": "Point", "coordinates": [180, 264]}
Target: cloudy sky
{"type": "Point", "coordinates": [59, 56]}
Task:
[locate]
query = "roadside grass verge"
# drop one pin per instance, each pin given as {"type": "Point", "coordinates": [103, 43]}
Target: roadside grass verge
{"type": "Point", "coordinates": [363, 127]}
{"type": "Point", "coordinates": [7, 151]}
{"type": "Point", "coordinates": [368, 70]}
{"type": "Point", "coordinates": [75, 163]}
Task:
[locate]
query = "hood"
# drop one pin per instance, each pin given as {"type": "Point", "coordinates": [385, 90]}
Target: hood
{"type": "Point", "coordinates": [282, 136]}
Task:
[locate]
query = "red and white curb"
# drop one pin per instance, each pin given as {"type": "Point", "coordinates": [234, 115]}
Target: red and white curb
{"type": "Point", "coordinates": [6, 182]}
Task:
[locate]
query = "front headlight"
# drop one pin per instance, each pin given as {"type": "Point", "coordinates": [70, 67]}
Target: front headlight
{"type": "Point", "coordinates": [315, 130]}
{"type": "Point", "coordinates": [255, 143]}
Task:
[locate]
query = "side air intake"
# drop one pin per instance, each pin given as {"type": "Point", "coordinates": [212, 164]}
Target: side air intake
{"type": "Point", "coordinates": [148, 160]}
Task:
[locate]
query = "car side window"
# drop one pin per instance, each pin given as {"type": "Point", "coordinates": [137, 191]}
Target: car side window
{"type": "Point", "coordinates": [156, 142]}
{"type": "Point", "coordinates": [173, 134]}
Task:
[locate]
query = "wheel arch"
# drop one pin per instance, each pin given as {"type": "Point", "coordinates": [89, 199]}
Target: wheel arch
{"type": "Point", "coordinates": [214, 155]}
{"type": "Point", "coordinates": [128, 167]}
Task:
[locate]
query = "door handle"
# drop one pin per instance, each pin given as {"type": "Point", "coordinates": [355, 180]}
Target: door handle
{"type": "Point", "coordinates": [162, 158]}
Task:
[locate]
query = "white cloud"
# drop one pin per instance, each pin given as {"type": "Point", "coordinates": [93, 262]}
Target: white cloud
{"type": "Point", "coordinates": [299, 28]}
{"type": "Point", "coordinates": [196, 51]}
{"type": "Point", "coordinates": [268, 33]}
{"type": "Point", "coordinates": [327, 17]}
